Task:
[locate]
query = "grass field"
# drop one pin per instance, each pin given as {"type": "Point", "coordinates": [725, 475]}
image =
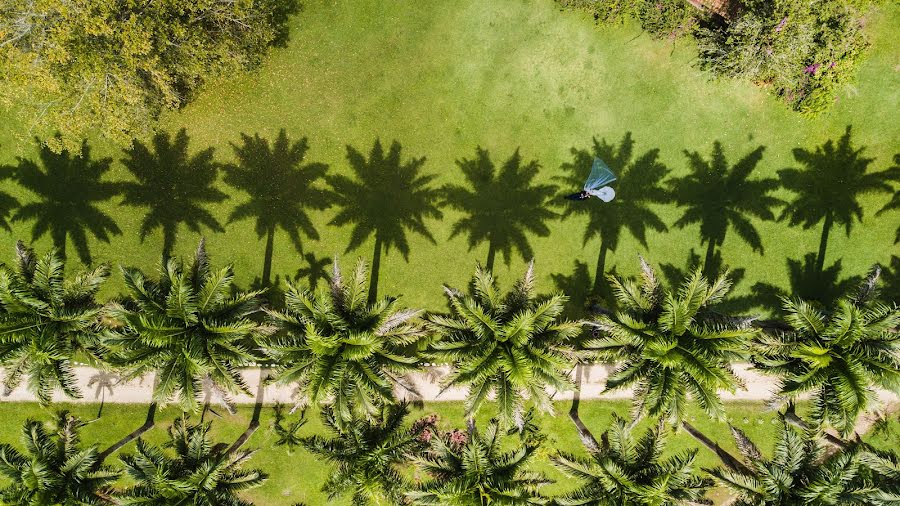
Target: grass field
{"type": "Point", "coordinates": [297, 477]}
{"type": "Point", "coordinates": [442, 77]}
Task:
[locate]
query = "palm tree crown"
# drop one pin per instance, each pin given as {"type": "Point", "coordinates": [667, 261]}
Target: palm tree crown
{"type": "Point", "coordinates": [800, 471]}
{"type": "Point", "coordinates": [838, 356]}
{"type": "Point", "coordinates": [55, 469]}
{"type": "Point", "coordinates": [281, 188]}
{"type": "Point", "coordinates": [471, 469]}
{"type": "Point", "coordinates": [638, 186]}
{"type": "Point", "coordinates": [45, 320]}
{"type": "Point", "coordinates": [624, 471]}
{"type": "Point", "coordinates": [369, 455]}
{"type": "Point", "coordinates": [668, 347]}
{"type": "Point", "coordinates": [500, 207]}
{"type": "Point", "coordinates": [199, 473]}
{"type": "Point", "coordinates": [68, 188]}
{"type": "Point", "coordinates": [342, 350]}
{"type": "Point", "coordinates": [189, 327]}
{"type": "Point", "coordinates": [387, 198]}
{"type": "Point", "coordinates": [719, 198]}
{"type": "Point", "coordinates": [174, 186]}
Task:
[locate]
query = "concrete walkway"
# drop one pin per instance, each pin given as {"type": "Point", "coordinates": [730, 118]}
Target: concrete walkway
{"type": "Point", "coordinates": [96, 385]}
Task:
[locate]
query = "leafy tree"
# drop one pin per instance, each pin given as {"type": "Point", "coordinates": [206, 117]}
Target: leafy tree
{"type": "Point", "coordinates": [189, 327]}
{"type": "Point", "coordinates": [829, 187]}
{"type": "Point", "coordinates": [720, 198]}
{"type": "Point", "coordinates": [387, 198]}
{"type": "Point", "coordinates": [624, 471]}
{"type": "Point", "coordinates": [837, 356]}
{"type": "Point", "coordinates": [173, 185]}
{"type": "Point", "coordinates": [511, 345]}
{"type": "Point", "coordinates": [68, 189]}
{"type": "Point", "coordinates": [800, 471]}
{"type": "Point", "coordinates": [55, 469]}
{"type": "Point", "coordinates": [668, 346]}
{"type": "Point", "coordinates": [637, 188]}
{"type": "Point", "coordinates": [500, 207]}
{"type": "Point", "coordinates": [46, 320]}
{"type": "Point", "coordinates": [188, 469]}
{"type": "Point", "coordinates": [893, 173]}
{"type": "Point", "coordinates": [110, 65]}
{"type": "Point", "coordinates": [471, 469]}
{"type": "Point", "coordinates": [369, 455]}
{"type": "Point", "coordinates": [281, 187]}
{"type": "Point", "coordinates": [343, 351]}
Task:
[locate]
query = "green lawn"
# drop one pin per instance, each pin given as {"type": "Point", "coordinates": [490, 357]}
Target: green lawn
{"type": "Point", "coordinates": [297, 477]}
{"type": "Point", "coordinates": [443, 77]}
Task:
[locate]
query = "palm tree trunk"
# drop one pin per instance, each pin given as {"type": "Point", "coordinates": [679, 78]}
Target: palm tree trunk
{"type": "Point", "coordinates": [728, 459]}
{"type": "Point", "coordinates": [492, 253]}
{"type": "Point", "coordinates": [376, 266]}
{"type": "Point", "coordinates": [791, 417]}
{"type": "Point", "coordinates": [257, 410]}
{"type": "Point", "coordinates": [587, 438]}
{"type": "Point", "coordinates": [823, 242]}
{"type": "Point", "coordinates": [599, 285]}
{"type": "Point", "coordinates": [148, 424]}
{"type": "Point", "coordinates": [267, 260]}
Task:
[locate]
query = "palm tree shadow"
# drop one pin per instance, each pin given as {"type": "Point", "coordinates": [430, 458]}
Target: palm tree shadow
{"type": "Point", "coordinates": [828, 188]}
{"type": "Point", "coordinates": [8, 203]}
{"type": "Point", "coordinates": [577, 286]}
{"type": "Point", "coordinates": [68, 188]}
{"type": "Point", "coordinates": [720, 198]}
{"type": "Point", "coordinates": [740, 304]}
{"type": "Point", "coordinates": [638, 186]}
{"type": "Point", "coordinates": [502, 207]}
{"type": "Point", "coordinates": [893, 173]}
{"type": "Point", "coordinates": [386, 198]}
{"type": "Point", "coordinates": [174, 186]}
{"type": "Point", "coordinates": [317, 269]}
{"type": "Point", "coordinates": [281, 186]}
{"type": "Point", "coordinates": [890, 282]}
{"type": "Point", "coordinates": [808, 283]}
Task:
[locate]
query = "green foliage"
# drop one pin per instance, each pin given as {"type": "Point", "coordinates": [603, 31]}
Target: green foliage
{"type": "Point", "coordinates": [471, 469]}
{"type": "Point", "coordinates": [199, 473]}
{"type": "Point", "coordinates": [800, 471]}
{"type": "Point", "coordinates": [45, 320]}
{"type": "Point", "coordinates": [659, 18]}
{"type": "Point", "coordinates": [804, 52]}
{"type": "Point", "coordinates": [55, 469]}
{"type": "Point", "coordinates": [837, 356]}
{"type": "Point", "coordinates": [668, 345]}
{"type": "Point", "coordinates": [191, 328]}
{"type": "Point", "coordinates": [370, 455]}
{"type": "Point", "coordinates": [343, 351]}
{"type": "Point", "coordinates": [632, 472]}
{"type": "Point", "coordinates": [512, 346]}
{"type": "Point", "coordinates": [109, 65]}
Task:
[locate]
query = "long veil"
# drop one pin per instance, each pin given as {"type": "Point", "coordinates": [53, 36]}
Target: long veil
{"type": "Point", "coordinates": [600, 176]}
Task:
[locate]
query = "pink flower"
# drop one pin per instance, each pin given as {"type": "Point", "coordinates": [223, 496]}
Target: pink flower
{"type": "Point", "coordinates": [781, 24]}
{"type": "Point", "coordinates": [812, 68]}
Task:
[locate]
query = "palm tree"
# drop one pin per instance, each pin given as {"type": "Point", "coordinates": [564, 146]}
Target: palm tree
{"type": "Point", "coordinates": [46, 321]}
{"type": "Point", "coordinates": [824, 287]}
{"type": "Point", "coordinates": [471, 469]}
{"type": "Point", "coordinates": [829, 187]}
{"type": "Point", "coordinates": [837, 356]}
{"type": "Point", "coordinates": [387, 198]}
{"type": "Point", "coordinates": [174, 186]}
{"type": "Point", "coordinates": [500, 207]}
{"type": "Point", "coordinates": [638, 187]}
{"type": "Point", "coordinates": [281, 188]}
{"type": "Point", "coordinates": [892, 173]}
{"type": "Point", "coordinates": [55, 469]}
{"type": "Point", "coordinates": [188, 469]}
{"type": "Point", "coordinates": [369, 455]}
{"type": "Point", "coordinates": [718, 198]}
{"type": "Point", "coordinates": [800, 471]}
{"type": "Point", "coordinates": [68, 188]}
{"type": "Point", "coordinates": [668, 347]}
{"type": "Point", "coordinates": [343, 351]}
{"type": "Point", "coordinates": [510, 345]}
{"type": "Point", "coordinates": [188, 327]}
{"type": "Point", "coordinates": [624, 471]}
{"type": "Point", "coordinates": [7, 202]}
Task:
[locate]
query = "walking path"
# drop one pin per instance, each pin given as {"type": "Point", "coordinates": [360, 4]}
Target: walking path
{"type": "Point", "coordinates": [97, 385]}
